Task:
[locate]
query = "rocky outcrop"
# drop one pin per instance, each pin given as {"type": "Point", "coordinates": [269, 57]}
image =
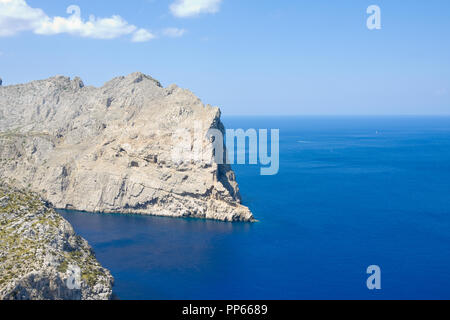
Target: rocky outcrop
{"type": "Point", "coordinates": [109, 149]}
{"type": "Point", "coordinates": [41, 258]}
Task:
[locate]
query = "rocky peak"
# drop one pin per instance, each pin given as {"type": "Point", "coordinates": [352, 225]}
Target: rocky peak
{"type": "Point", "coordinates": [77, 83]}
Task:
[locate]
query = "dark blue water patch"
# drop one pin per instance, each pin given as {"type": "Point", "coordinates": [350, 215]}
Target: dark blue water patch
{"type": "Point", "coordinates": [351, 192]}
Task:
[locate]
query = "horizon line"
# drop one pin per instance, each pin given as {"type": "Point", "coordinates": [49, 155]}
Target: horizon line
{"type": "Point", "coordinates": [335, 115]}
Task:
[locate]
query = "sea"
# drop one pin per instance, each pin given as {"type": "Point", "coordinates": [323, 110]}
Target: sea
{"type": "Point", "coordinates": [351, 192]}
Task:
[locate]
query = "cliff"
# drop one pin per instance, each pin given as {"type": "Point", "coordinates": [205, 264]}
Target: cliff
{"type": "Point", "coordinates": [41, 258]}
{"type": "Point", "coordinates": [108, 149]}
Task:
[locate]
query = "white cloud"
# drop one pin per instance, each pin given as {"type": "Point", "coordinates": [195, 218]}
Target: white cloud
{"type": "Point", "coordinates": [142, 35]}
{"type": "Point", "coordinates": [192, 8]}
{"type": "Point", "coordinates": [97, 28]}
{"type": "Point", "coordinates": [173, 32]}
{"type": "Point", "coordinates": [17, 16]}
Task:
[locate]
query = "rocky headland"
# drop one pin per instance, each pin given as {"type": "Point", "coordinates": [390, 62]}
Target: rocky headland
{"type": "Point", "coordinates": [108, 149]}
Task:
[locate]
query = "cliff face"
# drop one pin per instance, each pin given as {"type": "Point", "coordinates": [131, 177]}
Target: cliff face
{"type": "Point", "coordinates": [41, 258]}
{"type": "Point", "coordinates": [109, 149]}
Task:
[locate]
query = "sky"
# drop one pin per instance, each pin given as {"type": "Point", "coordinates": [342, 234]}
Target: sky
{"type": "Point", "coordinates": [249, 57]}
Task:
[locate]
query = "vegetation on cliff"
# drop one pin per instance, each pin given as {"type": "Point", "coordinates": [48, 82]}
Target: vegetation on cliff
{"type": "Point", "coordinates": [41, 257]}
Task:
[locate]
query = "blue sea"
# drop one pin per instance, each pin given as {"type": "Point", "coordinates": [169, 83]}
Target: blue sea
{"type": "Point", "coordinates": [351, 192]}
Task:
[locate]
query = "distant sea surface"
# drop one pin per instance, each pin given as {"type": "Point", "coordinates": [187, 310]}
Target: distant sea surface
{"type": "Point", "coordinates": [351, 192]}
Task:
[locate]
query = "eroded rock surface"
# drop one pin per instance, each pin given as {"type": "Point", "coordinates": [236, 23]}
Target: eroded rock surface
{"type": "Point", "coordinates": [41, 257]}
{"type": "Point", "coordinates": [109, 149]}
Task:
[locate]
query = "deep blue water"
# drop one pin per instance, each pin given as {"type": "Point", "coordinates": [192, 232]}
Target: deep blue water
{"type": "Point", "coordinates": [345, 198]}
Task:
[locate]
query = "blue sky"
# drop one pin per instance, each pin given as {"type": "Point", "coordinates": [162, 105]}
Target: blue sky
{"type": "Point", "coordinates": [247, 56]}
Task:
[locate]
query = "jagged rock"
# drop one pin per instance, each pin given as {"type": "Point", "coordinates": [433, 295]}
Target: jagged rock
{"type": "Point", "coordinates": [109, 149]}
{"type": "Point", "coordinates": [41, 257]}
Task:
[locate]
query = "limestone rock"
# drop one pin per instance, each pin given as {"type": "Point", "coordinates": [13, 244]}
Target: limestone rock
{"type": "Point", "coordinates": [108, 149]}
{"type": "Point", "coordinates": [41, 257]}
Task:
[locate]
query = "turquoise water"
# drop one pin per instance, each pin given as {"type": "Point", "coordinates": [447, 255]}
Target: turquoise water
{"type": "Point", "coordinates": [351, 192]}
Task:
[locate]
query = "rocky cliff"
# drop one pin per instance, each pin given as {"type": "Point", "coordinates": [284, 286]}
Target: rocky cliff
{"type": "Point", "coordinates": [41, 258]}
{"type": "Point", "coordinates": [109, 149]}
